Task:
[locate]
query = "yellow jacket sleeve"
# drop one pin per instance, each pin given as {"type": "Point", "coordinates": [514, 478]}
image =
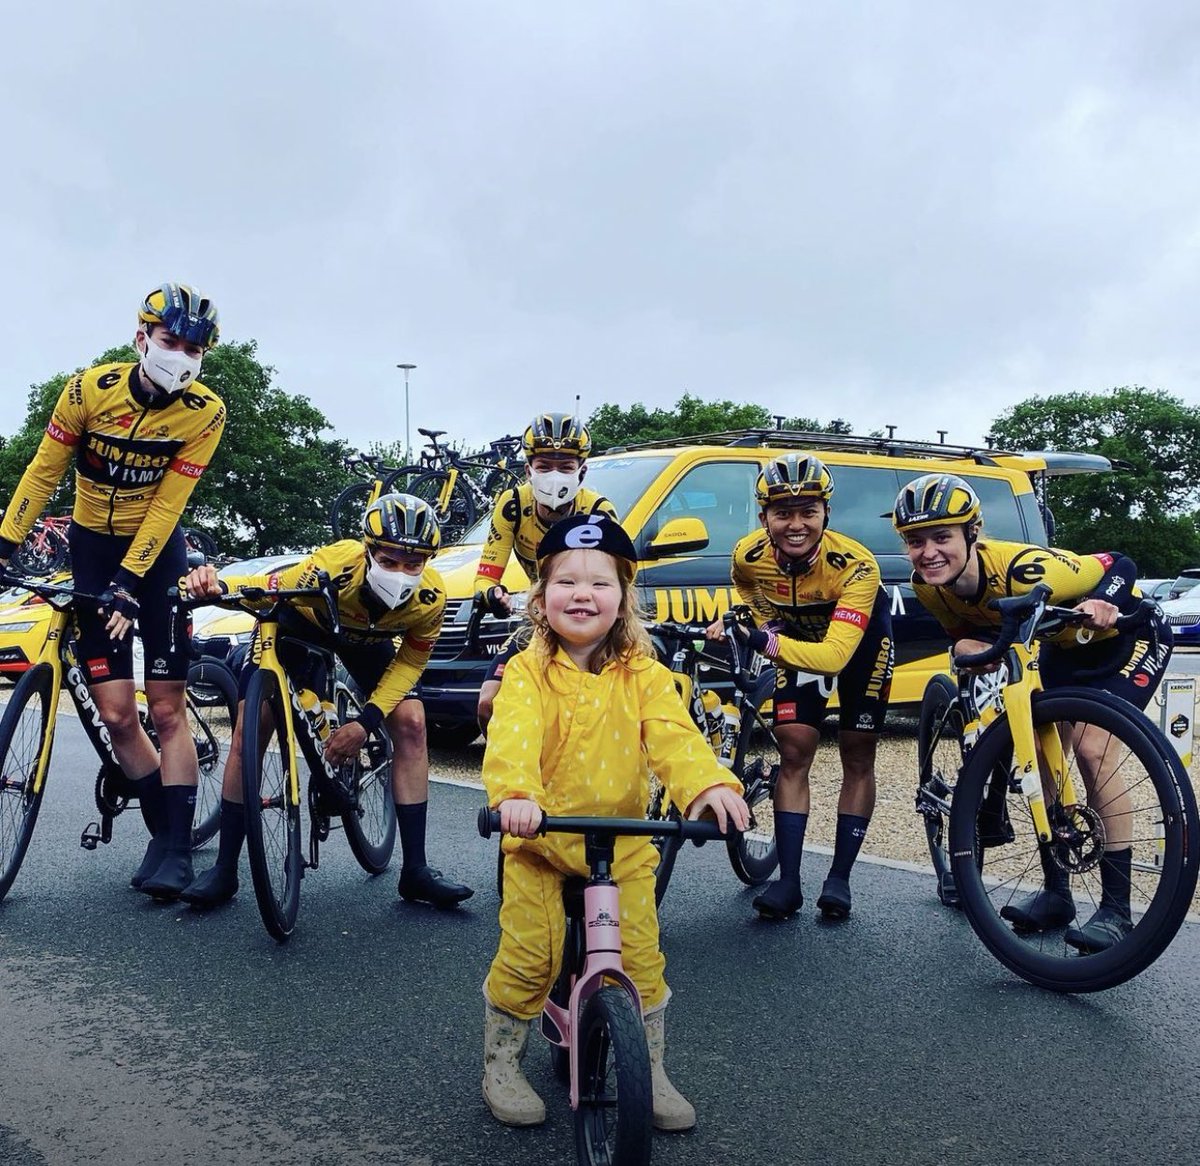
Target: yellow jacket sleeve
{"type": "Point", "coordinates": [512, 760]}
{"type": "Point", "coordinates": [44, 473]}
{"type": "Point", "coordinates": [499, 544]}
{"type": "Point", "coordinates": [167, 506]}
{"type": "Point", "coordinates": [675, 749]}
{"type": "Point", "coordinates": [406, 667]}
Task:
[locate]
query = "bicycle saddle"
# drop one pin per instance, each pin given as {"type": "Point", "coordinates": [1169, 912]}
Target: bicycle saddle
{"type": "Point", "coordinates": [431, 433]}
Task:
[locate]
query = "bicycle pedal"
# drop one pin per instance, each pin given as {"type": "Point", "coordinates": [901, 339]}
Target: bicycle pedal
{"type": "Point", "coordinates": [91, 836]}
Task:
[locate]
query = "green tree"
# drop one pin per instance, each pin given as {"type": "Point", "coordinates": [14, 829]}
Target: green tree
{"type": "Point", "coordinates": [274, 475]}
{"type": "Point", "coordinates": [613, 425]}
{"type": "Point", "coordinates": [1148, 507]}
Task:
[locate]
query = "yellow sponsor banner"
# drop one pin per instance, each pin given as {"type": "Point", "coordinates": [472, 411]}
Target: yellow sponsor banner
{"type": "Point", "coordinates": [1177, 710]}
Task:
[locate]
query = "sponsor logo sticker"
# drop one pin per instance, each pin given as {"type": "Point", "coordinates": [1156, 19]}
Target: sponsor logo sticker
{"type": "Point", "coordinates": [98, 669]}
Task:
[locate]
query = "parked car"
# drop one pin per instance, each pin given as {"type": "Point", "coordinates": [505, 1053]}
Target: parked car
{"type": "Point", "coordinates": [1184, 582]}
{"type": "Point", "coordinates": [686, 504]}
{"type": "Point", "coordinates": [1155, 588]}
{"type": "Point", "coordinates": [1184, 617]}
{"type": "Point", "coordinates": [224, 634]}
{"type": "Point", "coordinates": [24, 621]}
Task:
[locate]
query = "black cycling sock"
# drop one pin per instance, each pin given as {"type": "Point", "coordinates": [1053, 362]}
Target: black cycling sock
{"type": "Point", "coordinates": [789, 838]}
{"type": "Point", "coordinates": [1115, 870]}
{"type": "Point", "coordinates": [410, 819]}
{"type": "Point", "coordinates": [149, 792]}
{"type": "Point", "coordinates": [233, 834]}
{"type": "Point", "coordinates": [179, 804]}
{"type": "Point", "coordinates": [851, 830]}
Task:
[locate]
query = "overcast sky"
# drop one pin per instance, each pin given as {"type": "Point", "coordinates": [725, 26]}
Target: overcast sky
{"type": "Point", "coordinates": [908, 213]}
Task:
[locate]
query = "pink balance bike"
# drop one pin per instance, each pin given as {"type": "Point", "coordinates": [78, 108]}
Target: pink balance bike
{"type": "Point", "coordinates": [593, 1018]}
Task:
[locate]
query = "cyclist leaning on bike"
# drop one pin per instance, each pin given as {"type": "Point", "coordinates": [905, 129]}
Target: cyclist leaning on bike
{"type": "Point", "coordinates": [820, 608]}
{"type": "Point", "coordinates": [956, 573]}
{"type": "Point", "coordinates": [556, 447]}
{"type": "Point", "coordinates": [384, 585]}
{"type": "Point", "coordinates": [142, 434]}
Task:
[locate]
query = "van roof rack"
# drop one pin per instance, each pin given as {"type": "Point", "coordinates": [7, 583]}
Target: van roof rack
{"type": "Point", "coordinates": [810, 439]}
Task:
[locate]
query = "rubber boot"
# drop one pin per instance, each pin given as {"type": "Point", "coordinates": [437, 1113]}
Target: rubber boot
{"type": "Point", "coordinates": [149, 792]}
{"type": "Point", "coordinates": [1047, 909]}
{"type": "Point", "coordinates": [1113, 919]}
{"type": "Point", "coordinates": [672, 1111]}
{"type": "Point", "coordinates": [508, 1094]}
{"type": "Point", "coordinates": [219, 883]}
{"type": "Point", "coordinates": [175, 871]}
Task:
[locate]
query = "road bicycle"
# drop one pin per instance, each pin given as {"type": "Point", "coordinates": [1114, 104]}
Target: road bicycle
{"type": "Point", "coordinates": [593, 1017]}
{"type": "Point", "coordinates": [27, 731]}
{"type": "Point", "coordinates": [45, 550]}
{"type": "Point", "coordinates": [741, 736]}
{"type": "Point", "coordinates": [281, 715]}
{"type": "Point", "coordinates": [346, 513]}
{"type": "Point", "coordinates": [461, 489]}
{"type": "Point", "coordinates": [1012, 777]}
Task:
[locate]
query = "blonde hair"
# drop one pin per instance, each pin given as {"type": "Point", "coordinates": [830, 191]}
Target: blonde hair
{"type": "Point", "coordinates": [627, 638]}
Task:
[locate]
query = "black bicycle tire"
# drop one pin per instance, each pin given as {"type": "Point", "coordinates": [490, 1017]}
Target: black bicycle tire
{"type": "Point", "coordinates": [940, 703]}
{"type": "Point", "coordinates": [610, 1027]}
{"type": "Point", "coordinates": [751, 869]}
{"type": "Point", "coordinates": [399, 480]}
{"type": "Point", "coordinates": [499, 480]}
{"type": "Point", "coordinates": [667, 845]}
{"type": "Point", "coordinates": [1168, 908]}
{"type": "Point", "coordinates": [201, 541]}
{"type": "Point", "coordinates": [35, 683]}
{"type": "Point", "coordinates": [278, 911]}
{"type": "Point", "coordinates": [215, 674]}
{"type": "Point", "coordinates": [460, 516]}
{"type": "Point", "coordinates": [373, 855]}
{"type": "Point", "coordinates": [24, 561]}
{"type": "Point", "coordinates": [345, 515]}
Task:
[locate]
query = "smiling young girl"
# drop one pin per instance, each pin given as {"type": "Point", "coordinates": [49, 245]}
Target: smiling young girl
{"type": "Point", "coordinates": [582, 713]}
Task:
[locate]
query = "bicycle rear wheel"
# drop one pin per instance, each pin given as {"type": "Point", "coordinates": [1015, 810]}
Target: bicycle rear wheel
{"type": "Point", "coordinates": [659, 809]}
{"type": "Point", "coordinates": [501, 478]}
{"type": "Point", "coordinates": [345, 515]}
{"type": "Point", "coordinates": [455, 512]}
{"type": "Point", "coordinates": [370, 819]}
{"type": "Point", "coordinates": [939, 758]}
{"type": "Point", "coordinates": [753, 855]}
{"type": "Point", "coordinates": [1140, 791]}
{"type": "Point", "coordinates": [400, 480]}
{"type": "Point", "coordinates": [272, 813]}
{"type": "Point", "coordinates": [43, 552]}
{"type": "Point", "coordinates": [211, 698]}
{"type": "Point", "coordinates": [23, 741]}
{"type": "Point", "coordinates": [613, 1121]}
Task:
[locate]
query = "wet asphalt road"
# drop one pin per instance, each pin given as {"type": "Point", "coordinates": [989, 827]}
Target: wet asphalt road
{"type": "Point", "coordinates": [134, 1033]}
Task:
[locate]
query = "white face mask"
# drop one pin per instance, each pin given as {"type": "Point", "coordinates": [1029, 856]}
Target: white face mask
{"type": "Point", "coordinates": [392, 587]}
{"type": "Point", "coordinates": [170, 371]}
{"type": "Point", "coordinates": [555, 489]}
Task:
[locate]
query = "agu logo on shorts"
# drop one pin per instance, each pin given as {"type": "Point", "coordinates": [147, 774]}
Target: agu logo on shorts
{"type": "Point", "coordinates": [98, 669]}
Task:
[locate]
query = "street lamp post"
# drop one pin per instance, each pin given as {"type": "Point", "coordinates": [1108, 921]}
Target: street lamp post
{"type": "Point", "coordinates": [407, 368]}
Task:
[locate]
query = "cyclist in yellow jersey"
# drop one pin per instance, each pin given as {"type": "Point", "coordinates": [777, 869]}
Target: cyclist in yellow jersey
{"type": "Point", "coordinates": [556, 449]}
{"type": "Point", "coordinates": [141, 435]}
{"type": "Point", "coordinates": [956, 573]}
{"type": "Point", "coordinates": [390, 603]}
{"type": "Point", "coordinates": [819, 608]}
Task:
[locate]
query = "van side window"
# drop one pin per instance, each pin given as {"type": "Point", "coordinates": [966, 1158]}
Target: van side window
{"type": "Point", "coordinates": [721, 494]}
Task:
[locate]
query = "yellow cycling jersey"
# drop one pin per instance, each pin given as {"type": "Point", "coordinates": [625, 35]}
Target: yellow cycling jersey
{"type": "Point", "coordinates": [416, 624]}
{"type": "Point", "coordinates": [138, 457]}
{"type": "Point", "coordinates": [517, 529]}
{"type": "Point", "coordinates": [1015, 569]}
{"type": "Point", "coordinates": [578, 742]}
{"type": "Point", "coordinates": [824, 611]}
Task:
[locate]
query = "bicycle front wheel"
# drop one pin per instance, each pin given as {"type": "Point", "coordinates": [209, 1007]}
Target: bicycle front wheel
{"type": "Point", "coordinates": [272, 813]}
{"type": "Point", "coordinates": [613, 1121]}
{"type": "Point", "coordinates": [753, 854]}
{"type": "Point", "coordinates": [211, 699]}
{"type": "Point", "coordinates": [939, 758]}
{"type": "Point", "coordinates": [23, 741]}
{"type": "Point", "coordinates": [370, 817]}
{"type": "Point", "coordinates": [455, 508]}
{"type": "Point", "coordinates": [1130, 841]}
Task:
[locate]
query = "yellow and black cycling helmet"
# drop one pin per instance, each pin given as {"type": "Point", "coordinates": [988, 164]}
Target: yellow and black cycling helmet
{"type": "Point", "coordinates": [183, 311]}
{"type": "Point", "coordinates": [557, 433]}
{"type": "Point", "coordinates": [935, 500]}
{"type": "Point", "coordinates": [794, 475]}
{"type": "Point", "coordinates": [401, 523]}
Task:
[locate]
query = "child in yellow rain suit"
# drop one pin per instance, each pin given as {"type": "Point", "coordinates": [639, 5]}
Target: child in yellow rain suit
{"type": "Point", "coordinates": [584, 711]}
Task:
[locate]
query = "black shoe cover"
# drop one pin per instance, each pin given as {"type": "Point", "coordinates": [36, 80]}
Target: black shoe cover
{"type": "Point", "coordinates": [156, 851]}
{"type": "Point", "coordinates": [173, 874]}
{"type": "Point", "coordinates": [1044, 911]}
{"type": "Point", "coordinates": [423, 884]}
{"type": "Point", "coordinates": [834, 902]}
{"type": "Point", "coordinates": [1105, 929]}
{"type": "Point", "coordinates": [212, 888]}
{"type": "Point", "coordinates": [781, 899]}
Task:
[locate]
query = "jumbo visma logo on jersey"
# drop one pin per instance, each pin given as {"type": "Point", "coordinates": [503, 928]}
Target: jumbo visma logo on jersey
{"type": "Point", "coordinates": [118, 461]}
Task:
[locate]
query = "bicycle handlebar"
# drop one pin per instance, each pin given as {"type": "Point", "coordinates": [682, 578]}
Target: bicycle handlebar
{"type": "Point", "coordinates": [48, 591]}
{"type": "Point", "coordinates": [685, 632]}
{"type": "Point", "coordinates": [698, 831]}
{"type": "Point", "coordinates": [245, 597]}
{"type": "Point", "coordinates": [1023, 616]}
